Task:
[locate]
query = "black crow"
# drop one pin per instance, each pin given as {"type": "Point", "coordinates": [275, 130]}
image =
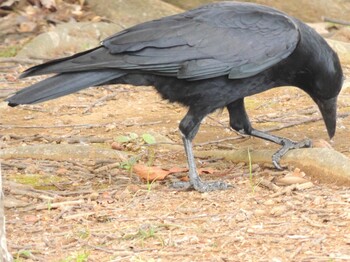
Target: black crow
{"type": "Point", "coordinates": [206, 58]}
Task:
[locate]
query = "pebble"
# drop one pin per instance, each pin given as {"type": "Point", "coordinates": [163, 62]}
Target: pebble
{"type": "Point", "coordinates": [278, 210]}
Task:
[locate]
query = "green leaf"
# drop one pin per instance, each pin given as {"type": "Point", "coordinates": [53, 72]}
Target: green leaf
{"type": "Point", "coordinates": [133, 136]}
{"type": "Point", "coordinates": [122, 139]}
{"type": "Point", "coordinates": [149, 139]}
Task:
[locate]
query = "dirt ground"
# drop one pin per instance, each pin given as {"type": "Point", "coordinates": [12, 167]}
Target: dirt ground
{"type": "Point", "coordinates": [78, 206]}
{"type": "Point", "coordinates": [93, 210]}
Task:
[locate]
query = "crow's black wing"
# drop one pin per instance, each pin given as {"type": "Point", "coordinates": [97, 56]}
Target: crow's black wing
{"type": "Point", "coordinates": [234, 39]}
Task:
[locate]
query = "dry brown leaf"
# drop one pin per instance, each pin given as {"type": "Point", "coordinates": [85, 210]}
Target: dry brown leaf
{"type": "Point", "coordinates": [297, 172]}
{"type": "Point", "coordinates": [278, 210]}
{"type": "Point", "coordinates": [290, 180]}
{"type": "Point", "coordinates": [150, 173]}
{"type": "Point", "coordinates": [31, 219]}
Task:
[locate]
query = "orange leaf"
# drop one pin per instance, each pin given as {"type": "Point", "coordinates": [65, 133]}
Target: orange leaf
{"type": "Point", "coordinates": [31, 219]}
{"type": "Point", "coordinates": [150, 173]}
{"type": "Point", "coordinates": [200, 172]}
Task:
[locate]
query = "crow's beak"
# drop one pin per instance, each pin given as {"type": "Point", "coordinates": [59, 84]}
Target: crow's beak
{"type": "Point", "coordinates": [328, 110]}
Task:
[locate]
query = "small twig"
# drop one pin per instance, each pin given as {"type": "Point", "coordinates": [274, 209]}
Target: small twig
{"type": "Point", "coordinates": [16, 165]}
{"type": "Point", "coordinates": [106, 168]}
{"type": "Point", "coordinates": [20, 60]}
{"type": "Point", "coordinates": [335, 21]}
{"type": "Point", "coordinates": [298, 187]}
{"type": "Point", "coordinates": [24, 192]}
{"type": "Point", "coordinates": [218, 122]}
{"type": "Point", "coordinates": [101, 100]}
{"type": "Point", "coordinates": [107, 250]}
{"type": "Point", "coordinates": [304, 121]}
{"type": "Point", "coordinates": [60, 215]}
{"type": "Point", "coordinates": [269, 185]}
{"type": "Point", "coordinates": [311, 222]}
{"type": "Point", "coordinates": [6, 68]}
{"type": "Point", "coordinates": [295, 253]}
{"type": "Point", "coordinates": [32, 108]}
{"type": "Point", "coordinates": [220, 140]}
{"type": "Point", "coordinates": [69, 140]}
{"type": "Point", "coordinates": [226, 172]}
{"type": "Point", "coordinates": [56, 126]}
{"type": "Point", "coordinates": [58, 204]}
{"type": "Point", "coordinates": [75, 216]}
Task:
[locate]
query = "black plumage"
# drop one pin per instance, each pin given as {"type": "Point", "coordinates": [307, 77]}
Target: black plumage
{"type": "Point", "coordinates": [206, 58]}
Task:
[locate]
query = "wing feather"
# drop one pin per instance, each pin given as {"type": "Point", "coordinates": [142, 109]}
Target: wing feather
{"type": "Point", "coordinates": [234, 39]}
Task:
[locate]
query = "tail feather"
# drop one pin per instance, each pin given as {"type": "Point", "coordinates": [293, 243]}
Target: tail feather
{"type": "Point", "coordinates": [61, 85]}
{"type": "Point", "coordinates": [59, 65]}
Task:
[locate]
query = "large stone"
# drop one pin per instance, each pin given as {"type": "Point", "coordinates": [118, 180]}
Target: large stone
{"type": "Point", "coordinates": [67, 39]}
{"type": "Point", "coordinates": [306, 10]}
{"type": "Point", "coordinates": [127, 13]}
{"type": "Point", "coordinates": [322, 164]}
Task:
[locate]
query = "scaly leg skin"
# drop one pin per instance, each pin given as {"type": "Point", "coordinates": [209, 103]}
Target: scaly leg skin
{"type": "Point", "coordinates": [286, 143]}
{"type": "Point", "coordinates": [195, 181]}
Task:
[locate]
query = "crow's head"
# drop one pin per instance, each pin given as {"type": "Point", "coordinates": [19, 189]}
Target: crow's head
{"type": "Point", "coordinates": [321, 77]}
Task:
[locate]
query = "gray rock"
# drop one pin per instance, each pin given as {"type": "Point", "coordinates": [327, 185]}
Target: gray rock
{"type": "Point", "coordinates": [131, 12]}
{"type": "Point", "coordinates": [67, 39]}
{"type": "Point", "coordinates": [306, 10]}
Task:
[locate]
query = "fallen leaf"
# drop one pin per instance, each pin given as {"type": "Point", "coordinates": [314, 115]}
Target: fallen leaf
{"type": "Point", "coordinates": [290, 180]}
{"type": "Point", "coordinates": [297, 172]}
{"type": "Point", "coordinates": [149, 139]}
{"type": "Point", "coordinates": [31, 219]}
{"type": "Point", "coordinates": [294, 177]}
{"type": "Point", "coordinates": [150, 173]}
{"type": "Point", "coordinates": [278, 210]}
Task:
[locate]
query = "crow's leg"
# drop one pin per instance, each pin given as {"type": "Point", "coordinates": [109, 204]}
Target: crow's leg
{"type": "Point", "coordinates": [286, 143]}
{"type": "Point", "coordinates": [240, 122]}
{"type": "Point", "coordinates": [189, 127]}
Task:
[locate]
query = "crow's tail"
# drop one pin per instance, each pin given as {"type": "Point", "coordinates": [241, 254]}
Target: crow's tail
{"type": "Point", "coordinates": [61, 85]}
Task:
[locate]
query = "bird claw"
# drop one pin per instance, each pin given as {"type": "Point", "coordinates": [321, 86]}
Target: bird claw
{"type": "Point", "coordinates": [286, 146]}
{"type": "Point", "coordinates": [202, 186]}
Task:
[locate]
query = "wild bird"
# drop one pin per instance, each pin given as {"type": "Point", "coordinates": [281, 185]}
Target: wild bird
{"type": "Point", "coordinates": [207, 58]}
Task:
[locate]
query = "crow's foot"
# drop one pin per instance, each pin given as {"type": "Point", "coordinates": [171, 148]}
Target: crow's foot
{"type": "Point", "coordinates": [286, 146]}
{"type": "Point", "coordinates": [202, 186]}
